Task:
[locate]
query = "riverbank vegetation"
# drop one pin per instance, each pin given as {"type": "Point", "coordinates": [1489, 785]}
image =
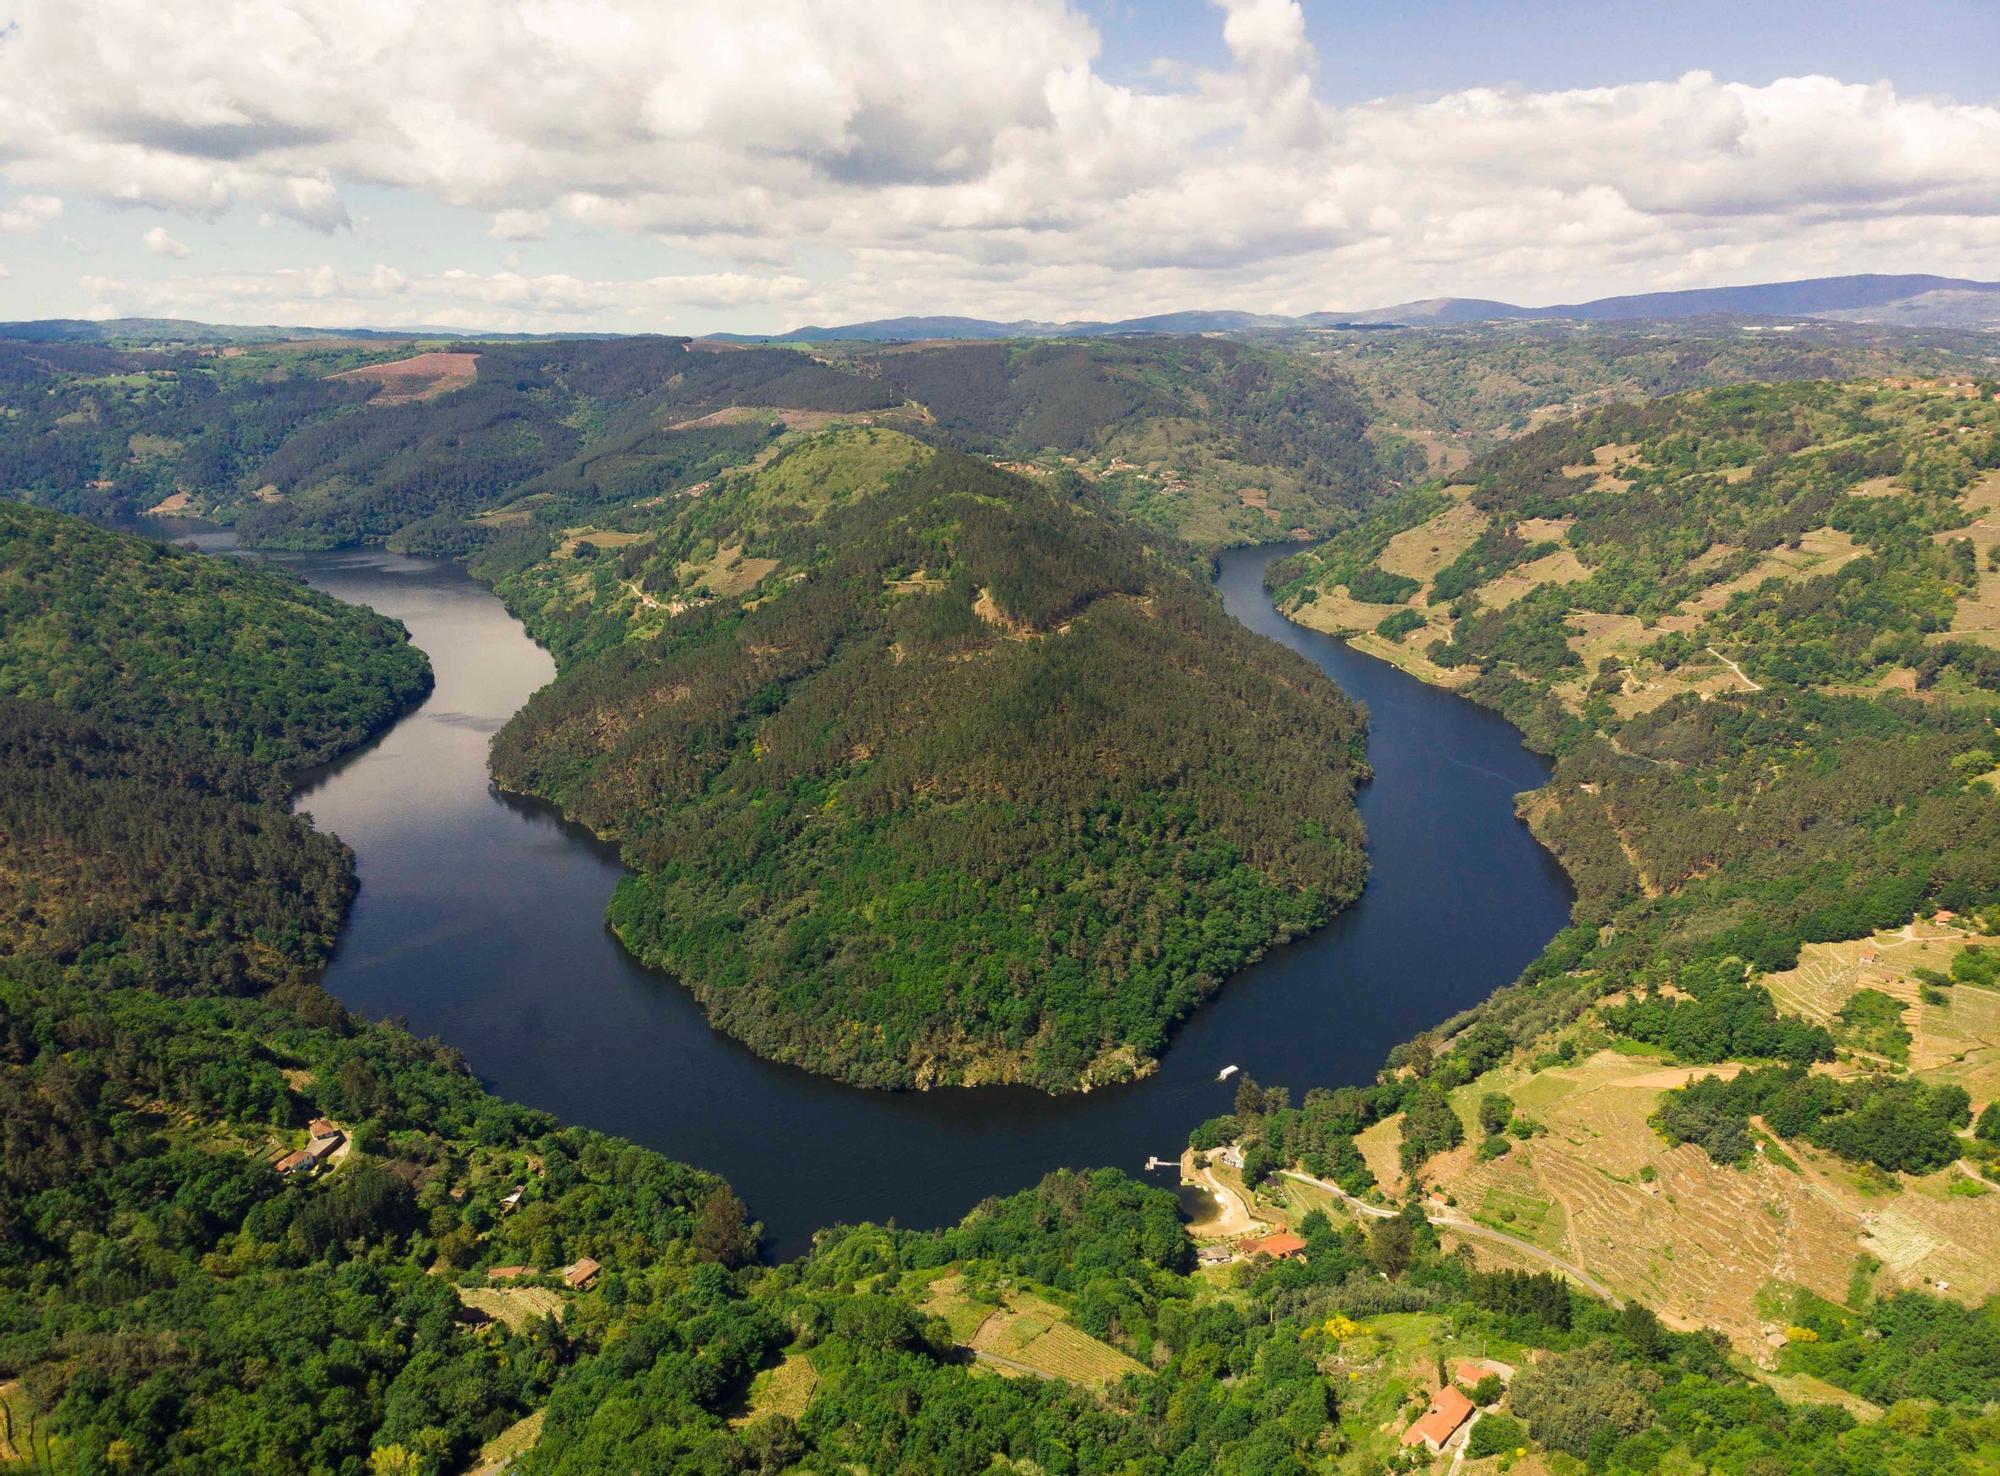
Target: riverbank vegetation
{"type": "Point", "coordinates": [930, 773]}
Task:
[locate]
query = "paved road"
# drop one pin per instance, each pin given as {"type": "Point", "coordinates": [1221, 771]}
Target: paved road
{"type": "Point", "coordinates": [1463, 1226]}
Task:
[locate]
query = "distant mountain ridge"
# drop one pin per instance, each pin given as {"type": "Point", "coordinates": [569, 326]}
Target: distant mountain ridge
{"type": "Point", "coordinates": [1913, 298]}
{"type": "Point", "coordinates": [142, 331]}
{"type": "Point", "coordinates": [1910, 299]}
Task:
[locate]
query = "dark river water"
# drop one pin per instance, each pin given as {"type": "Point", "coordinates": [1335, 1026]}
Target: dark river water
{"type": "Point", "coordinates": [480, 920]}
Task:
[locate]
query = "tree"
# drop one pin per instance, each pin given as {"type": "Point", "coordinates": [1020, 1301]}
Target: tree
{"type": "Point", "coordinates": [1430, 1126]}
{"type": "Point", "coordinates": [1392, 1245]}
{"type": "Point", "coordinates": [1260, 1161]}
{"type": "Point", "coordinates": [1570, 1401]}
{"type": "Point", "coordinates": [721, 1232]}
{"type": "Point", "coordinates": [1988, 1130]}
{"type": "Point", "coordinates": [1496, 1110]}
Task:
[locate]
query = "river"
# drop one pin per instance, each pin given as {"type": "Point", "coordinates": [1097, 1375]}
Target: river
{"type": "Point", "coordinates": [480, 920]}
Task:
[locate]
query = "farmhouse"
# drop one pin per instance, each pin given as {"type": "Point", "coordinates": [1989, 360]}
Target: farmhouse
{"type": "Point", "coordinates": [580, 1273]}
{"type": "Point", "coordinates": [1471, 1370]}
{"type": "Point", "coordinates": [292, 1162]}
{"type": "Point", "coordinates": [1281, 1246]}
{"type": "Point", "coordinates": [1448, 1410]}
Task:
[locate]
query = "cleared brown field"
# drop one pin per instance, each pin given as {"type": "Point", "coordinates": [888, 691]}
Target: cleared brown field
{"type": "Point", "coordinates": [499, 1453]}
{"type": "Point", "coordinates": [1699, 1241]}
{"type": "Point", "coordinates": [728, 573]}
{"type": "Point", "coordinates": [423, 377]}
{"type": "Point", "coordinates": [1560, 567]}
{"type": "Point", "coordinates": [1977, 616]}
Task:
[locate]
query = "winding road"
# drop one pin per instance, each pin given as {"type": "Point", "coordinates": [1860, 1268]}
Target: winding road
{"type": "Point", "coordinates": [1463, 1226]}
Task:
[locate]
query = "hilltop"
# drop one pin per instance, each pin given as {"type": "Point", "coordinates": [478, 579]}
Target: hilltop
{"type": "Point", "coordinates": [930, 773]}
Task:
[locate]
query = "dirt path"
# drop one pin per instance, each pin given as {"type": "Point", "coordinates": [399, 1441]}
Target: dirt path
{"type": "Point", "coordinates": [1463, 1226]}
{"type": "Point", "coordinates": [1972, 1173]}
{"type": "Point", "coordinates": [1752, 686]}
{"type": "Point", "coordinates": [631, 587]}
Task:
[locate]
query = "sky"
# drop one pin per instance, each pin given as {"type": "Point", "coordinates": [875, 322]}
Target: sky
{"type": "Point", "coordinates": [754, 165]}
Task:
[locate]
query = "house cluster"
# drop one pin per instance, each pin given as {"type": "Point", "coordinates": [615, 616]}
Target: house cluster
{"type": "Point", "coordinates": [1450, 1409]}
{"type": "Point", "coordinates": [1281, 1246]}
{"type": "Point", "coordinates": [577, 1275]}
{"type": "Point", "coordinates": [322, 1138]}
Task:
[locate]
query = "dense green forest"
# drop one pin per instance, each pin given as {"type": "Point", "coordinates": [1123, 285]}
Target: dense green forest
{"type": "Point", "coordinates": [1209, 440]}
{"type": "Point", "coordinates": [930, 773]}
{"type": "Point", "coordinates": [232, 657]}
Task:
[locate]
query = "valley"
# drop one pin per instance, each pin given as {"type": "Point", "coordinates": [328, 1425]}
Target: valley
{"type": "Point", "coordinates": [1760, 1038]}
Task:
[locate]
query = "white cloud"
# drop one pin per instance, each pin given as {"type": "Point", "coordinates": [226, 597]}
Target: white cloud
{"type": "Point", "coordinates": [161, 244]}
{"type": "Point", "coordinates": [519, 225]}
{"type": "Point", "coordinates": [4, 273]}
{"type": "Point", "coordinates": [918, 155]}
{"type": "Point", "coordinates": [506, 301]}
{"type": "Point", "coordinates": [30, 213]}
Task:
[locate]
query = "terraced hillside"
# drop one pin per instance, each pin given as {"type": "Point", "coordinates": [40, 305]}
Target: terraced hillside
{"type": "Point", "coordinates": [930, 774]}
{"type": "Point", "coordinates": [1755, 627]}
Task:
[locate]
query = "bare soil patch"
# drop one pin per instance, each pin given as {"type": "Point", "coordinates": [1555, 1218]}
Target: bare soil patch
{"type": "Point", "coordinates": [423, 377]}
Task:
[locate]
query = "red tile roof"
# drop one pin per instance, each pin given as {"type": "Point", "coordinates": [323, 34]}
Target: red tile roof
{"type": "Point", "coordinates": [1284, 1243]}
{"type": "Point", "coordinates": [1448, 1411]}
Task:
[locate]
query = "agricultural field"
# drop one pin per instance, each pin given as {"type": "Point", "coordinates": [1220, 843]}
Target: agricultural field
{"type": "Point", "coordinates": [785, 1390]}
{"type": "Point", "coordinates": [1019, 1333]}
{"type": "Point", "coordinates": [516, 1307]}
{"type": "Point", "coordinates": [1696, 1240]}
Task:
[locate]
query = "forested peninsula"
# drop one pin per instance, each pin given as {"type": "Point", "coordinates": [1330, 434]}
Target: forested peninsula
{"type": "Point", "coordinates": [929, 772]}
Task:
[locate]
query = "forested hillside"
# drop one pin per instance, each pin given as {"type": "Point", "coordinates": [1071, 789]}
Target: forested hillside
{"type": "Point", "coordinates": [1457, 392]}
{"type": "Point", "coordinates": [326, 442]}
{"type": "Point", "coordinates": [231, 657]}
{"type": "Point", "coordinates": [1757, 629]}
{"type": "Point", "coordinates": [929, 773]}
{"type": "Point", "coordinates": [1211, 441]}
